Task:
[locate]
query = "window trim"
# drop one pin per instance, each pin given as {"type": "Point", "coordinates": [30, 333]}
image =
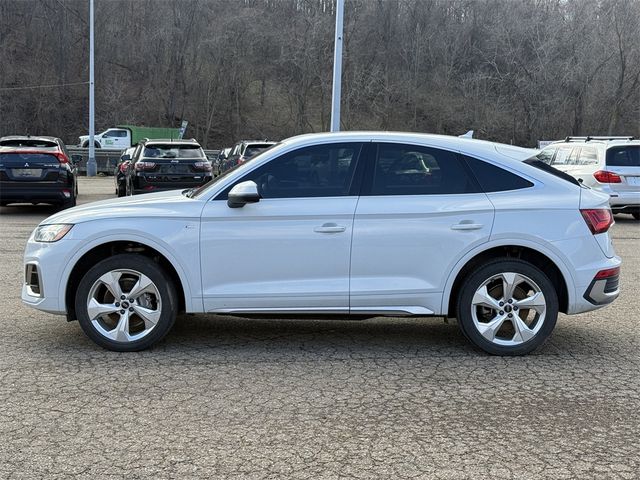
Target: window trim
{"type": "Point", "coordinates": [367, 183]}
{"type": "Point", "coordinates": [356, 176]}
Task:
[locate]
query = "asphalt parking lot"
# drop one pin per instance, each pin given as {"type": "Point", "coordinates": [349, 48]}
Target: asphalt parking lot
{"type": "Point", "coordinates": [223, 397]}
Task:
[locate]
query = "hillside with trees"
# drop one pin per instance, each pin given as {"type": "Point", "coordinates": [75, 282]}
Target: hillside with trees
{"type": "Point", "coordinates": [514, 71]}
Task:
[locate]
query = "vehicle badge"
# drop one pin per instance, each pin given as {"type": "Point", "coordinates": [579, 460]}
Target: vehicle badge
{"type": "Point", "coordinates": [26, 164]}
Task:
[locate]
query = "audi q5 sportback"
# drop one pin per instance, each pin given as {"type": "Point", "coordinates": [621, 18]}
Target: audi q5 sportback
{"type": "Point", "coordinates": [361, 224]}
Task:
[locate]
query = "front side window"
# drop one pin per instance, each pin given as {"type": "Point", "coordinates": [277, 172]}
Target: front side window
{"type": "Point", "coordinates": [317, 171]}
{"type": "Point", "coordinates": [414, 170]}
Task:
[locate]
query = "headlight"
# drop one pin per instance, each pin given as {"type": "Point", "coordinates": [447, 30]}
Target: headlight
{"type": "Point", "coordinates": [51, 233]}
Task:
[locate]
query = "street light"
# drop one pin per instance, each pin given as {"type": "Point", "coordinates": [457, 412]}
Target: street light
{"type": "Point", "coordinates": [337, 69]}
{"type": "Point", "coordinates": [92, 166]}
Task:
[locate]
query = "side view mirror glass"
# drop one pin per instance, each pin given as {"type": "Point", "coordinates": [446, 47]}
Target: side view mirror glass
{"type": "Point", "coordinates": [243, 193]}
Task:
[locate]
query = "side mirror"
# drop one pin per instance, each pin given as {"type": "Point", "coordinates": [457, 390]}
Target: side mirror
{"type": "Point", "coordinates": [125, 157]}
{"type": "Point", "coordinates": [76, 159]}
{"type": "Point", "coordinates": [243, 193]}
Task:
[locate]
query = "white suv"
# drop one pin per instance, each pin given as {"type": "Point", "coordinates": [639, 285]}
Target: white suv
{"type": "Point", "coordinates": [361, 223]}
{"type": "Point", "coordinates": [608, 164]}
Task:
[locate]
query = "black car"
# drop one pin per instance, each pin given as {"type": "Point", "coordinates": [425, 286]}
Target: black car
{"type": "Point", "coordinates": [37, 170]}
{"type": "Point", "coordinates": [244, 151]}
{"type": "Point", "coordinates": [120, 172]}
{"type": "Point", "coordinates": [167, 165]}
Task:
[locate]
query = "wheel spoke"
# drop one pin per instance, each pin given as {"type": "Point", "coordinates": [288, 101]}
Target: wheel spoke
{"type": "Point", "coordinates": [96, 309]}
{"type": "Point", "coordinates": [150, 317]}
{"type": "Point", "coordinates": [536, 302]}
{"type": "Point", "coordinates": [523, 332]}
{"type": "Point", "coordinates": [121, 332]}
{"type": "Point", "coordinates": [489, 330]}
{"type": "Point", "coordinates": [510, 281]}
{"type": "Point", "coordinates": [112, 281]}
{"type": "Point", "coordinates": [141, 286]}
{"type": "Point", "coordinates": [483, 299]}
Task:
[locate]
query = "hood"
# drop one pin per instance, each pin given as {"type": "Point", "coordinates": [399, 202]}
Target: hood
{"type": "Point", "coordinates": [159, 204]}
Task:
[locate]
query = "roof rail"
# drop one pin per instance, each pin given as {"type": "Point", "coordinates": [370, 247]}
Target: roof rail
{"type": "Point", "coordinates": [587, 138]}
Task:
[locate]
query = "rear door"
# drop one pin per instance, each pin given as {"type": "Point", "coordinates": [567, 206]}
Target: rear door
{"type": "Point", "coordinates": [25, 166]}
{"type": "Point", "coordinates": [419, 212]}
{"type": "Point", "coordinates": [624, 160]}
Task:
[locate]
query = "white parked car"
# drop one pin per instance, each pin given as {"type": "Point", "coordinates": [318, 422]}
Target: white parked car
{"type": "Point", "coordinates": [360, 223]}
{"type": "Point", "coordinates": [608, 164]}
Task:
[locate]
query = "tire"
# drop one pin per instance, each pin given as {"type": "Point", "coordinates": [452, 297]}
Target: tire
{"type": "Point", "coordinates": [126, 327]}
{"type": "Point", "coordinates": [636, 215]}
{"type": "Point", "coordinates": [68, 203]}
{"type": "Point", "coordinates": [85, 144]}
{"type": "Point", "coordinates": [487, 324]}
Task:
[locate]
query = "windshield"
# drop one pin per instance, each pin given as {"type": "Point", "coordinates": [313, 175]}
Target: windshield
{"type": "Point", "coordinates": [243, 166]}
{"type": "Point", "coordinates": [173, 151]}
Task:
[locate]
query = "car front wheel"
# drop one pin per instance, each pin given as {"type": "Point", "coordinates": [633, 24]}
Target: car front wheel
{"type": "Point", "coordinates": [507, 307]}
{"type": "Point", "coordinates": [126, 303]}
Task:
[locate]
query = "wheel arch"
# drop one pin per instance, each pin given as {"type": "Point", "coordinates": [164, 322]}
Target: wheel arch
{"type": "Point", "coordinates": [549, 263]}
{"type": "Point", "coordinates": [95, 253]}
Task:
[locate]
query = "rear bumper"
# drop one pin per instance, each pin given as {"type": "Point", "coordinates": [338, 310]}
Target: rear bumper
{"type": "Point", "coordinates": [624, 201]}
{"type": "Point", "coordinates": [34, 192]}
{"type": "Point", "coordinates": [142, 184]}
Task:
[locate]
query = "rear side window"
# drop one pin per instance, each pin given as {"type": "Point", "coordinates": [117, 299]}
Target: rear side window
{"type": "Point", "coordinates": [562, 156]}
{"type": "Point", "coordinates": [414, 170]}
{"type": "Point", "coordinates": [546, 155]}
{"type": "Point", "coordinates": [588, 156]}
{"type": "Point", "coordinates": [627, 156]}
{"type": "Point", "coordinates": [495, 179]}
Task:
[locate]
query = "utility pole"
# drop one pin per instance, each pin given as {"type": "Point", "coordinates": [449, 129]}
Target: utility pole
{"type": "Point", "coordinates": [92, 166]}
{"type": "Point", "coordinates": [337, 69]}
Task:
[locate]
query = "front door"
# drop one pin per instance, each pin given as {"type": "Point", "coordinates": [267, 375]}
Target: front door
{"type": "Point", "coordinates": [290, 251]}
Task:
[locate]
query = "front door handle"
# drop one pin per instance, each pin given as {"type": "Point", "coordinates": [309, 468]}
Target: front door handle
{"type": "Point", "coordinates": [467, 226]}
{"type": "Point", "coordinates": [330, 228]}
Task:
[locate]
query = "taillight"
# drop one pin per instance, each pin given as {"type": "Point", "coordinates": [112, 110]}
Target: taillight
{"type": "Point", "coordinates": [241, 160]}
{"type": "Point", "coordinates": [603, 176]}
{"type": "Point", "coordinates": [608, 273]}
{"type": "Point", "coordinates": [206, 166]}
{"type": "Point", "coordinates": [62, 158]}
{"type": "Point", "coordinates": [123, 167]}
{"type": "Point", "coordinates": [598, 219]}
{"type": "Point", "coordinates": [145, 166]}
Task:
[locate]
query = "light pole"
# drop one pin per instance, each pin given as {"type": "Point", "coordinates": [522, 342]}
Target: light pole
{"type": "Point", "coordinates": [337, 68]}
{"type": "Point", "coordinates": [92, 166]}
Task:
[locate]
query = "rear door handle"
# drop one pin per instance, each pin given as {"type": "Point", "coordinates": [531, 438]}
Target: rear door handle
{"type": "Point", "coordinates": [467, 226]}
{"type": "Point", "coordinates": [330, 228]}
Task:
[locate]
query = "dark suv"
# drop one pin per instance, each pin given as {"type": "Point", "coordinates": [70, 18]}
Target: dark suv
{"type": "Point", "coordinates": [166, 165]}
{"type": "Point", "coordinates": [37, 170]}
{"type": "Point", "coordinates": [244, 151]}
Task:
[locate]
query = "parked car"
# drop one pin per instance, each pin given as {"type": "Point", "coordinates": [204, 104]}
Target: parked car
{"type": "Point", "coordinates": [244, 151]}
{"type": "Point", "coordinates": [339, 224]}
{"type": "Point", "coordinates": [608, 164]}
{"type": "Point", "coordinates": [37, 170]}
{"type": "Point", "coordinates": [218, 163]}
{"type": "Point", "coordinates": [167, 165]}
{"type": "Point", "coordinates": [120, 172]}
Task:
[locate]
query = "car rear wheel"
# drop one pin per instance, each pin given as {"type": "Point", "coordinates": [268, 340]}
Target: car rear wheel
{"type": "Point", "coordinates": [126, 303]}
{"type": "Point", "coordinates": [507, 307]}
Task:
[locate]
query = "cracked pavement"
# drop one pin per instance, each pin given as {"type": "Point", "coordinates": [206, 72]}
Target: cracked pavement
{"type": "Point", "coordinates": [223, 397]}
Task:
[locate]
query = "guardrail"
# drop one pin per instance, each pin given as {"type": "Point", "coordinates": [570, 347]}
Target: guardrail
{"type": "Point", "coordinates": [107, 160]}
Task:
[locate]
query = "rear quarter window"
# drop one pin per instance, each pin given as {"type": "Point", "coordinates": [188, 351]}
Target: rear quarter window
{"type": "Point", "coordinates": [495, 179]}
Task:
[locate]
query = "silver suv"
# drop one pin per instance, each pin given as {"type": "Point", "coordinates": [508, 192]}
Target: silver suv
{"type": "Point", "coordinates": [608, 164]}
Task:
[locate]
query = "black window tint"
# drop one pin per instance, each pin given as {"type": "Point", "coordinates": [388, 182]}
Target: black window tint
{"type": "Point", "coordinates": [628, 156]}
{"type": "Point", "coordinates": [588, 156]}
{"type": "Point", "coordinates": [495, 179]}
{"type": "Point", "coordinates": [318, 171]}
{"type": "Point", "coordinates": [412, 170]}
